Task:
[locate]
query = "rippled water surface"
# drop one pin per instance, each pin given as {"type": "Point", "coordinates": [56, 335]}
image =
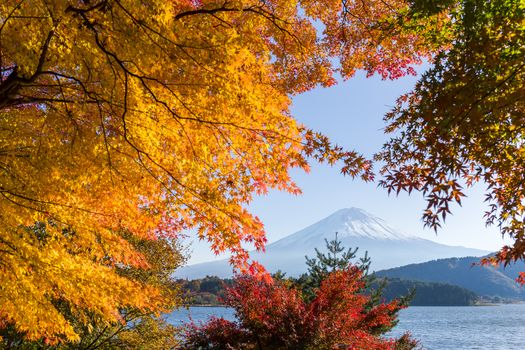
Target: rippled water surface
{"type": "Point", "coordinates": [199, 314]}
{"type": "Point", "coordinates": [499, 327]}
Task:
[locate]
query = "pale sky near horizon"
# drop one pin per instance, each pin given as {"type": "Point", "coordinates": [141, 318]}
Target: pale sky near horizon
{"type": "Point", "coordinates": [351, 114]}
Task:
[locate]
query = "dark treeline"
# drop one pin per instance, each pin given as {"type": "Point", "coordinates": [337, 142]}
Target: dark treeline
{"type": "Point", "coordinates": [210, 290]}
{"type": "Point", "coordinates": [429, 293]}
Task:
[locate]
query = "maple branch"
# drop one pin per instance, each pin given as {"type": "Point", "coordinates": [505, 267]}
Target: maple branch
{"type": "Point", "coordinates": [259, 10]}
{"type": "Point", "coordinates": [9, 245]}
{"type": "Point", "coordinates": [14, 81]}
{"type": "Point", "coordinates": [10, 15]}
{"type": "Point", "coordinates": [488, 93]}
{"type": "Point", "coordinates": [223, 8]}
{"type": "Point", "coordinates": [78, 10]}
{"type": "Point", "coordinates": [7, 193]}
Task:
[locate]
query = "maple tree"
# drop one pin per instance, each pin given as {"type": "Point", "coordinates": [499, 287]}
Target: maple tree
{"type": "Point", "coordinates": [463, 122]}
{"type": "Point", "coordinates": [152, 117]}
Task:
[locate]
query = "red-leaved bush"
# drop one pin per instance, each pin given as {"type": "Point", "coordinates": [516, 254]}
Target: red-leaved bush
{"type": "Point", "coordinates": [276, 316]}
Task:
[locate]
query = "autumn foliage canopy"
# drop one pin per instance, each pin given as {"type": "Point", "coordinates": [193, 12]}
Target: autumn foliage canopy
{"type": "Point", "coordinates": [152, 117]}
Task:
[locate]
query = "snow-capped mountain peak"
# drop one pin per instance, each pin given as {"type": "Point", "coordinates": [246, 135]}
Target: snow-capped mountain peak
{"type": "Point", "coordinates": [347, 222]}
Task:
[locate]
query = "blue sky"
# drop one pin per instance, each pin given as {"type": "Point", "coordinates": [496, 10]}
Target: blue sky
{"type": "Point", "coordinates": [351, 114]}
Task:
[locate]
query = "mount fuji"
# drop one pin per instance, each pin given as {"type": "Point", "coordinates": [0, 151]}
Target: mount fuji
{"type": "Point", "coordinates": [355, 227]}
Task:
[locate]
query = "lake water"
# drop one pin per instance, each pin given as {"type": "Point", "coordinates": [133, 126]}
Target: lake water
{"type": "Point", "coordinates": [500, 327]}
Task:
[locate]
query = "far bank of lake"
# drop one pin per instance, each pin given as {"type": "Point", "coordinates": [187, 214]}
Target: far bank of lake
{"type": "Point", "coordinates": [499, 327]}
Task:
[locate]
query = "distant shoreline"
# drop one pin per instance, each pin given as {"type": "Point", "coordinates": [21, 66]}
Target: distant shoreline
{"type": "Point", "coordinates": [476, 304]}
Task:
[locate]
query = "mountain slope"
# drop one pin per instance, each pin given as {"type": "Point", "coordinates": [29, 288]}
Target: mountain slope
{"type": "Point", "coordinates": [483, 280]}
{"type": "Point", "coordinates": [356, 228]}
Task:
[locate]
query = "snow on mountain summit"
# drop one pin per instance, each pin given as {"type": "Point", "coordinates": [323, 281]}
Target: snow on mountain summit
{"type": "Point", "coordinates": [348, 222]}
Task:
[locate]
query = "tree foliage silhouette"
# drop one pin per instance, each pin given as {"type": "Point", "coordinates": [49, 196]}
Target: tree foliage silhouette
{"type": "Point", "coordinates": [463, 122]}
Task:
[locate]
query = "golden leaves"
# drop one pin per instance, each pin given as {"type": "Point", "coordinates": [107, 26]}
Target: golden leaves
{"type": "Point", "coordinates": [151, 117]}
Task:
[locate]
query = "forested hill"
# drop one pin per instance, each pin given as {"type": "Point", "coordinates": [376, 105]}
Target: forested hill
{"type": "Point", "coordinates": [486, 281]}
{"type": "Point", "coordinates": [429, 293]}
{"type": "Point", "coordinates": [209, 290]}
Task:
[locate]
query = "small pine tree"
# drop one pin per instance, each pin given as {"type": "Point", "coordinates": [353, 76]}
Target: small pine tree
{"type": "Point", "coordinates": [339, 258]}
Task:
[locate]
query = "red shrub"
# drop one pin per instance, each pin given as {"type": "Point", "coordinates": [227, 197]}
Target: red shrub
{"type": "Point", "coordinates": [276, 316]}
